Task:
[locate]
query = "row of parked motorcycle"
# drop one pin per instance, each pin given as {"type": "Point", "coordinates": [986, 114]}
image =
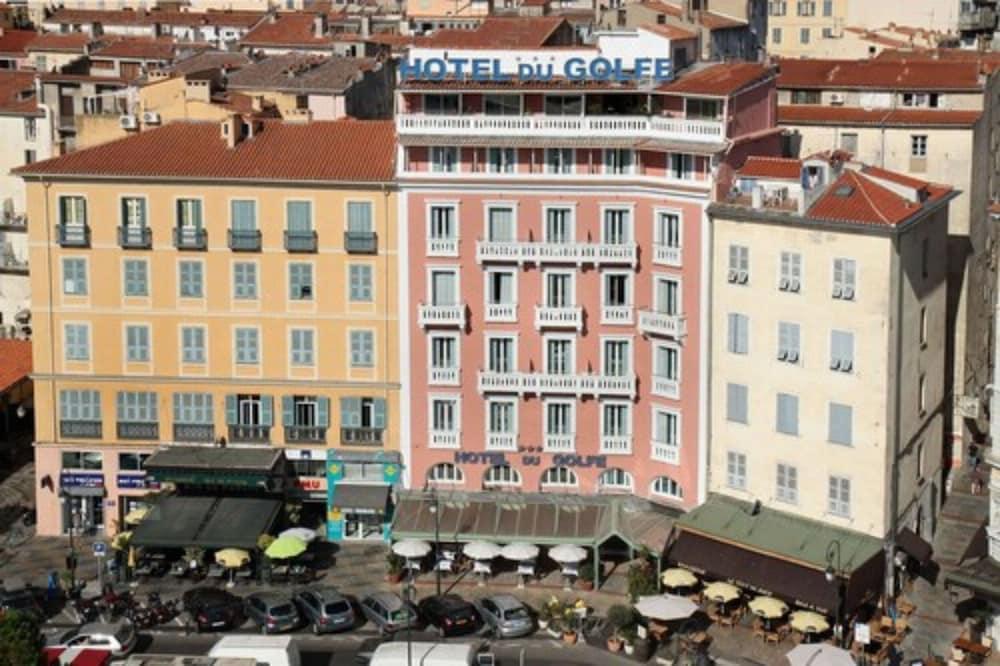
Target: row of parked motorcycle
{"type": "Point", "coordinates": [113, 605]}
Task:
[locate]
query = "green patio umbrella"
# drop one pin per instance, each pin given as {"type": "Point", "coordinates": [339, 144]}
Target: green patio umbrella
{"type": "Point", "coordinates": [285, 547]}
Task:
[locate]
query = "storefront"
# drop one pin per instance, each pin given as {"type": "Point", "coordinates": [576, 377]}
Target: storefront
{"type": "Point", "coordinates": [307, 486]}
{"type": "Point", "coordinates": [81, 496]}
{"type": "Point", "coordinates": [359, 494]}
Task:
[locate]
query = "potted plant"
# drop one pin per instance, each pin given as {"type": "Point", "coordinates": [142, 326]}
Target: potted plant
{"type": "Point", "coordinates": [569, 626]}
{"type": "Point", "coordinates": [544, 617]}
{"type": "Point", "coordinates": [619, 617]}
{"type": "Point", "coordinates": [394, 567]}
{"type": "Point", "coordinates": [641, 579]}
{"type": "Point", "coordinates": [557, 617]}
{"type": "Point", "coordinates": [629, 635]}
{"type": "Point", "coordinates": [585, 581]}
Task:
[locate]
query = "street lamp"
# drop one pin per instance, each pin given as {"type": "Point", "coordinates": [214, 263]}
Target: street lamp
{"type": "Point", "coordinates": [834, 576]}
{"type": "Point", "coordinates": [434, 509]}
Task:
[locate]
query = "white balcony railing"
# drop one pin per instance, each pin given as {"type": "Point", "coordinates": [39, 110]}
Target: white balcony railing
{"type": "Point", "coordinates": [442, 247]}
{"type": "Point", "coordinates": [666, 387]}
{"type": "Point", "coordinates": [444, 376]}
{"type": "Point", "coordinates": [541, 383]}
{"type": "Point", "coordinates": [617, 314]}
{"type": "Point", "coordinates": [548, 316]}
{"type": "Point", "coordinates": [616, 444]}
{"type": "Point", "coordinates": [665, 452]}
{"type": "Point", "coordinates": [652, 322]}
{"type": "Point", "coordinates": [666, 255]}
{"type": "Point", "coordinates": [441, 315]}
{"type": "Point", "coordinates": [558, 443]}
{"type": "Point", "coordinates": [525, 252]}
{"type": "Point", "coordinates": [501, 312]}
{"type": "Point", "coordinates": [590, 127]}
{"type": "Point", "coordinates": [501, 441]}
{"type": "Point", "coordinates": [444, 439]}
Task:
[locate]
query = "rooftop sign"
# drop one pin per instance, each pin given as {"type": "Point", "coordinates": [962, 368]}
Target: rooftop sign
{"type": "Point", "coordinates": [495, 70]}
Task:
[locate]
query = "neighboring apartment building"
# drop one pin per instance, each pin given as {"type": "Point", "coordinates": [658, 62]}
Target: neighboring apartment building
{"type": "Point", "coordinates": [933, 119]}
{"type": "Point", "coordinates": [224, 283]}
{"type": "Point", "coordinates": [218, 28]}
{"type": "Point", "coordinates": [556, 269]}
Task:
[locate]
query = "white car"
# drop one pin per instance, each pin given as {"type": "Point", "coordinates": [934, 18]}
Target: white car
{"type": "Point", "coordinates": [118, 638]}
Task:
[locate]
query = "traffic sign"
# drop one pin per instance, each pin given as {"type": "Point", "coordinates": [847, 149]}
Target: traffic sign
{"type": "Point", "coordinates": [100, 549]}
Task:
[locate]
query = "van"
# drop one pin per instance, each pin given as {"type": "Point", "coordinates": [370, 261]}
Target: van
{"type": "Point", "coordinates": [267, 650]}
{"type": "Point", "coordinates": [428, 654]}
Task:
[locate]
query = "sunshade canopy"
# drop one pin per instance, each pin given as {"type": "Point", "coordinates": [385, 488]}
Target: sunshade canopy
{"type": "Point", "coordinates": [567, 553]}
{"type": "Point", "coordinates": [411, 548]}
{"type": "Point", "coordinates": [481, 550]}
{"type": "Point", "coordinates": [518, 552]}
{"type": "Point", "coordinates": [209, 522]}
{"type": "Point", "coordinates": [665, 607]}
{"type": "Point", "coordinates": [232, 558]}
{"type": "Point", "coordinates": [207, 466]}
{"type": "Point", "coordinates": [286, 547]}
{"type": "Point", "coordinates": [808, 622]}
{"type": "Point", "coordinates": [768, 608]}
{"type": "Point", "coordinates": [361, 497]}
{"type": "Point", "coordinates": [819, 654]}
{"type": "Point", "coordinates": [303, 533]}
{"type": "Point", "coordinates": [677, 577]}
{"type": "Point", "coordinates": [721, 592]}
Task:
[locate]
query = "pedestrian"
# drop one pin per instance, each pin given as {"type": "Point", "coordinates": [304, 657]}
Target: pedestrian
{"type": "Point", "coordinates": [973, 453]}
{"type": "Point", "coordinates": [53, 588]}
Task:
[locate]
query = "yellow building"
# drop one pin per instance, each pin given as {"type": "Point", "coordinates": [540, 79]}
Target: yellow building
{"type": "Point", "coordinates": [226, 286]}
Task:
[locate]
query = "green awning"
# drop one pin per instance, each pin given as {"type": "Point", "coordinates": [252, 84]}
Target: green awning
{"type": "Point", "coordinates": [174, 522]}
{"type": "Point", "coordinates": [204, 466]}
{"type": "Point", "coordinates": [209, 522]}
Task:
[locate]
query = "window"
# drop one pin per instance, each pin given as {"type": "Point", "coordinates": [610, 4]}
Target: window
{"type": "Point", "coordinates": [302, 346]}
{"type": "Point", "coordinates": [926, 100]}
{"type": "Point", "coordinates": [787, 489]}
{"type": "Point", "coordinates": [30, 129]}
{"type": "Point", "coordinates": [844, 276]}
{"type": "Point", "coordinates": [558, 225]}
{"type": "Point", "coordinates": [616, 418]}
{"type": "Point", "coordinates": [922, 395]}
{"type": "Point", "coordinates": [739, 264]}
{"type": "Point", "coordinates": [618, 161]}
{"type": "Point", "coordinates": [443, 287]}
{"type": "Point", "coordinates": [615, 479]}
{"type": "Point", "coordinates": [189, 214]}
{"type": "Point", "coordinates": [79, 405]}
{"type": "Point", "coordinates": [776, 34]}
{"type": "Point", "coordinates": [137, 344]}
{"type": "Point", "coordinates": [839, 497]}
{"type": "Point", "coordinates": [841, 351]}
{"type": "Point", "coordinates": [500, 225]}
{"type": "Point", "coordinates": [243, 214]}
{"type": "Point", "coordinates": [681, 166]}
{"type": "Point", "coordinates": [306, 411]}
{"type": "Point", "coordinates": [247, 346]}
{"type": "Point", "coordinates": [298, 216]}
{"type": "Point", "coordinates": [133, 212]}
{"type": "Point", "coordinates": [827, 7]}
{"type": "Point", "coordinates": [501, 160]}
{"type": "Point", "coordinates": [559, 476]}
{"type": "Point", "coordinates": [788, 342]}
{"type": "Point", "coordinates": [444, 352]}
{"type": "Point", "coordinates": [617, 288]}
{"type": "Point", "coordinates": [617, 358]}
{"type": "Point", "coordinates": [245, 280]}
{"type": "Point", "coordinates": [702, 109]}
{"type": "Point", "coordinates": [500, 288]}
{"type": "Point", "coordinates": [920, 460]}
{"type": "Point", "coordinates": [667, 230]}
{"type": "Point", "coordinates": [30, 156]}
{"type": "Point", "coordinates": [441, 104]}
{"type": "Point", "coordinates": [132, 462]}
{"type": "Point", "coordinates": [249, 410]}
{"type": "Point", "coordinates": [617, 226]}
{"type": "Point", "coordinates": [362, 349]}
{"type": "Point", "coordinates": [841, 424]}
{"type": "Point", "coordinates": [444, 159]}
{"type": "Point", "coordinates": [923, 326]}
{"type": "Point", "coordinates": [665, 486]}
{"type": "Point", "coordinates": [805, 96]}
{"type": "Point", "coordinates": [736, 470]}
{"type": "Point", "coordinates": [849, 142]}
{"type": "Point", "coordinates": [918, 145]}
{"type": "Point", "coordinates": [563, 105]}
{"type": "Point", "coordinates": [790, 272]}
{"type": "Point", "coordinates": [501, 416]}
{"type": "Point", "coordinates": [443, 226]}
{"type": "Point", "coordinates": [559, 418]}
{"type": "Point", "coordinates": [787, 420]}
{"type": "Point", "coordinates": [76, 342]}
{"type": "Point", "coordinates": [502, 105]}
{"type": "Point", "coordinates": [499, 476]}
{"type": "Point", "coordinates": [136, 277]}
{"type": "Point", "coordinates": [777, 7]}
{"type": "Point", "coordinates": [359, 216]}
{"type": "Point", "coordinates": [666, 436]}
{"type": "Point", "coordinates": [827, 33]}
{"type": "Point", "coordinates": [737, 403]}
{"type": "Point", "coordinates": [559, 356]}
{"type": "Point", "coordinates": [85, 460]}
{"type": "Point", "coordinates": [137, 407]}
{"type": "Point", "coordinates": [191, 279]}
{"type": "Point", "coordinates": [559, 160]}
{"type": "Point", "coordinates": [360, 282]}
{"type": "Point", "coordinates": [738, 333]}
{"type": "Point", "coordinates": [559, 289]}
{"type": "Point", "coordinates": [193, 344]}
{"type": "Point", "coordinates": [666, 362]}
{"type": "Point", "coordinates": [74, 273]}
{"type": "Point", "coordinates": [444, 415]}
{"type": "Point", "coordinates": [500, 354]}
{"type": "Point", "coordinates": [72, 211]}
{"type": "Point", "coordinates": [804, 35]}
{"type": "Point", "coordinates": [445, 473]}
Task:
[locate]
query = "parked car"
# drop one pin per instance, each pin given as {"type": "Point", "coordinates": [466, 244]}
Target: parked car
{"type": "Point", "coordinates": [450, 614]}
{"type": "Point", "coordinates": [325, 609]}
{"type": "Point", "coordinates": [213, 609]}
{"type": "Point", "coordinates": [272, 611]}
{"type": "Point", "coordinates": [388, 612]}
{"type": "Point", "coordinates": [270, 650]}
{"type": "Point", "coordinates": [24, 600]}
{"type": "Point", "coordinates": [118, 638]}
{"type": "Point", "coordinates": [505, 615]}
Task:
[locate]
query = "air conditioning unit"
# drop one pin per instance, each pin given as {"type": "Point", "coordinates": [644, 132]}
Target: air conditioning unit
{"type": "Point", "coordinates": [733, 275]}
{"type": "Point", "coordinates": [150, 118]}
{"type": "Point", "coordinates": [128, 122]}
{"type": "Point", "coordinates": [837, 98]}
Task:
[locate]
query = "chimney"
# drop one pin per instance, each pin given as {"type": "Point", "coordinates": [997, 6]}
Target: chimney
{"type": "Point", "coordinates": [319, 25]}
{"type": "Point", "coordinates": [232, 129]}
{"type": "Point", "coordinates": [272, 17]}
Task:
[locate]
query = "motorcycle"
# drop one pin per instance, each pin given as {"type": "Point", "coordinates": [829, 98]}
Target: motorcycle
{"type": "Point", "coordinates": [88, 610]}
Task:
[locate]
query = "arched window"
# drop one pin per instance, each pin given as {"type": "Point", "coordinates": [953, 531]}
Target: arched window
{"type": "Point", "coordinates": [614, 479]}
{"type": "Point", "coordinates": [664, 486]}
{"type": "Point", "coordinates": [445, 473]}
{"type": "Point", "coordinates": [559, 477]}
{"type": "Point", "coordinates": [501, 476]}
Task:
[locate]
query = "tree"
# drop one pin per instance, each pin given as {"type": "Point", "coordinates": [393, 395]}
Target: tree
{"type": "Point", "coordinates": [20, 639]}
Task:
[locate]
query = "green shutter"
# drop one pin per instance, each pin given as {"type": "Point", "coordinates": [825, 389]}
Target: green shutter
{"type": "Point", "coordinates": [121, 406]}
{"type": "Point", "coordinates": [231, 415]}
{"type": "Point", "coordinates": [378, 416]}
{"type": "Point", "coordinates": [323, 412]}
{"type": "Point", "coordinates": [287, 410]}
{"type": "Point", "coordinates": [177, 408]}
{"type": "Point", "coordinates": [266, 410]}
{"type": "Point", "coordinates": [350, 412]}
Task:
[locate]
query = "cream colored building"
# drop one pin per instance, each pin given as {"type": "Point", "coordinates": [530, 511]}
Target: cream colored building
{"type": "Point", "coordinates": [828, 353]}
{"type": "Point", "coordinates": [216, 283]}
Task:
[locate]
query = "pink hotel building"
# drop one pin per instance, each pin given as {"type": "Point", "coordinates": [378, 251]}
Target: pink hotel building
{"type": "Point", "coordinates": [554, 240]}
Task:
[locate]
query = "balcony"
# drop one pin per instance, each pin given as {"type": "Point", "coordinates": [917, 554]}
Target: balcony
{"type": "Point", "coordinates": [501, 441]}
{"type": "Point", "coordinates": [444, 439]}
{"type": "Point", "coordinates": [666, 255]}
{"type": "Point", "coordinates": [503, 313]}
{"type": "Point", "coordinates": [187, 238]}
{"type": "Point", "coordinates": [135, 238]}
{"type": "Point", "coordinates": [558, 443]}
{"type": "Point", "coordinates": [549, 316]}
{"type": "Point", "coordinates": [361, 436]}
{"type": "Point", "coordinates": [616, 444]}
{"type": "Point", "coordinates": [194, 432]}
{"type": "Point", "coordinates": [666, 452]}
{"type": "Point", "coordinates": [13, 265]}
{"type": "Point", "coordinates": [617, 315]}
{"type": "Point", "coordinates": [244, 240]}
{"type": "Point", "coordinates": [253, 434]}
{"type": "Point", "coordinates": [360, 242]}
{"type": "Point", "coordinates": [441, 315]}
{"type": "Point", "coordinates": [301, 241]}
{"type": "Point", "coordinates": [563, 127]}
{"type": "Point", "coordinates": [80, 429]}
{"type": "Point", "coordinates": [301, 433]}
{"type": "Point", "coordinates": [442, 247]}
{"type": "Point", "coordinates": [551, 384]}
{"type": "Point", "coordinates": [666, 387]}
{"type": "Point", "coordinates": [652, 322]}
{"type": "Point", "coordinates": [73, 235]}
{"type": "Point", "coordinates": [977, 19]}
{"type": "Point", "coordinates": [443, 376]}
{"type": "Point", "coordinates": [608, 254]}
{"type": "Point", "coordinates": [138, 430]}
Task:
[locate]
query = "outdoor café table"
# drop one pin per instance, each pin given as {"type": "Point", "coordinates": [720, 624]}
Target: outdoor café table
{"type": "Point", "coordinates": [972, 647]}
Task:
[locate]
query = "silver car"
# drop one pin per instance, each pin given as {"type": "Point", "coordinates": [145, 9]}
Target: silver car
{"type": "Point", "coordinates": [118, 638]}
{"type": "Point", "coordinates": [505, 615]}
{"type": "Point", "coordinates": [388, 612]}
{"type": "Point", "coordinates": [272, 612]}
{"type": "Point", "coordinates": [325, 609]}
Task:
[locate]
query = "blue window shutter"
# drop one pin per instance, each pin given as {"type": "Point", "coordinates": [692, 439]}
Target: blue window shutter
{"type": "Point", "coordinates": [287, 410]}
{"type": "Point", "coordinates": [266, 410]}
{"type": "Point", "coordinates": [345, 412]}
{"type": "Point", "coordinates": [177, 408]}
{"type": "Point", "coordinates": [378, 416]}
{"type": "Point", "coordinates": [231, 415]}
{"type": "Point", "coordinates": [323, 413]}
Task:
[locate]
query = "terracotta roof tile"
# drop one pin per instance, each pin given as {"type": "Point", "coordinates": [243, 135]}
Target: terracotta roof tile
{"type": "Point", "coordinates": [300, 73]}
{"type": "Point", "coordinates": [853, 198]}
{"type": "Point", "coordinates": [15, 42]}
{"type": "Point", "coordinates": [500, 32]}
{"type": "Point", "coordinates": [341, 150]}
{"type": "Point", "coordinates": [670, 31]}
{"type": "Point", "coordinates": [716, 21]}
{"type": "Point", "coordinates": [292, 29]}
{"type": "Point", "coordinates": [721, 79]}
{"type": "Point", "coordinates": [244, 19]}
{"type": "Point", "coordinates": [16, 366]}
{"type": "Point", "coordinates": [137, 47]}
{"type": "Point", "coordinates": [923, 75]}
{"type": "Point", "coordinates": [664, 8]}
{"type": "Point", "coordinates": [75, 42]}
{"type": "Point", "coordinates": [815, 114]}
{"type": "Point", "coordinates": [778, 168]}
{"type": "Point", "coordinates": [17, 93]}
{"type": "Point", "coordinates": [987, 61]}
{"type": "Point", "coordinates": [895, 177]}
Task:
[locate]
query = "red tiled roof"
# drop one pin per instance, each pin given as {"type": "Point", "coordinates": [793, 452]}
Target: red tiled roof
{"type": "Point", "coordinates": [498, 32]}
{"type": "Point", "coordinates": [339, 151]}
{"type": "Point", "coordinates": [17, 94]}
{"type": "Point", "coordinates": [806, 114]}
{"type": "Point", "coordinates": [51, 41]}
{"type": "Point", "coordinates": [986, 60]}
{"type": "Point", "coordinates": [137, 47]}
{"type": "Point", "coordinates": [895, 177]}
{"type": "Point", "coordinates": [664, 8]}
{"type": "Point", "coordinates": [721, 79]}
{"type": "Point", "coordinates": [669, 31]}
{"type": "Point", "coordinates": [16, 365]}
{"type": "Point", "coordinates": [778, 168]}
{"type": "Point", "coordinates": [295, 29]}
{"type": "Point", "coordinates": [715, 21]}
{"type": "Point", "coordinates": [856, 199]}
{"type": "Point", "coordinates": [923, 75]}
{"type": "Point", "coordinates": [16, 41]}
{"type": "Point", "coordinates": [245, 19]}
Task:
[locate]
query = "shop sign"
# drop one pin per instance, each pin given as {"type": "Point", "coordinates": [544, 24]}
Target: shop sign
{"type": "Point", "coordinates": [559, 460]}
{"type": "Point", "coordinates": [80, 480]}
{"type": "Point", "coordinates": [137, 482]}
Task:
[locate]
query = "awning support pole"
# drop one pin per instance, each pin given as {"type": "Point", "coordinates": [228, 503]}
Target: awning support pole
{"type": "Point", "coordinates": [597, 566]}
{"type": "Point", "coordinates": [659, 565]}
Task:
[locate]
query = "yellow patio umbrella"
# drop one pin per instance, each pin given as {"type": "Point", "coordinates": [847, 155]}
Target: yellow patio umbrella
{"type": "Point", "coordinates": [722, 593]}
{"type": "Point", "coordinates": [136, 515]}
{"type": "Point", "coordinates": [808, 622]}
{"type": "Point", "coordinates": [232, 558]}
{"type": "Point", "coordinates": [121, 540]}
{"type": "Point", "coordinates": [677, 577]}
{"type": "Point", "coordinates": [768, 608]}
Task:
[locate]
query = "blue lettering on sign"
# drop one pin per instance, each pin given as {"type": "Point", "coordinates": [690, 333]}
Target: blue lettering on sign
{"type": "Point", "coordinates": [573, 460]}
{"type": "Point", "coordinates": [77, 480]}
{"type": "Point", "coordinates": [136, 481]}
{"type": "Point", "coordinates": [601, 69]}
{"type": "Point", "coordinates": [473, 458]}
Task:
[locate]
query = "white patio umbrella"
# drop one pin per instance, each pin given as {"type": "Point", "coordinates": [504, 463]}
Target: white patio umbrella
{"type": "Point", "coordinates": [567, 553]}
{"type": "Point", "coordinates": [665, 607]}
{"type": "Point", "coordinates": [481, 550]}
{"type": "Point", "coordinates": [411, 548]}
{"type": "Point", "coordinates": [519, 552]}
{"type": "Point", "coordinates": [303, 533]}
{"type": "Point", "coordinates": [819, 654]}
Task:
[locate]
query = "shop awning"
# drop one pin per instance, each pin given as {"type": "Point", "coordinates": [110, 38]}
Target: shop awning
{"type": "Point", "coordinates": [361, 497]}
{"type": "Point", "coordinates": [173, 522]}
{"type": "Point", "coordinates": [981, 577]}
{"type": "Point", "coordinates": [910, 543]}
{"type": "Point", "coordinates": [209, 522]}
{"type": "Point", "coordinates": [207, 466]}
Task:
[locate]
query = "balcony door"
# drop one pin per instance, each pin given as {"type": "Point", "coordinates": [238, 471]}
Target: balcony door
{"type": "Point", "coordinates": [616, 358]}
{"type": "Point", "coordinates": [501, 355]}
{"type": "Point", "coordinates": [617, 226]}
{"type": "Point", "coordinates": [444, 287]}
{"type": "Point", "coordinates": [667, 296]}
{"type": "Point", "coordinates": [559, 357]}
{"type": "Point", "coordinates": [667, 230]}
{"type": "Point", "coordinates": [558, 226]}
{"type": "Point", "coordinates": [500, 287]}
{"type": "Point", "coordinates": [558, 290]}
{"type": "Point", "coordinates": [500, 225]}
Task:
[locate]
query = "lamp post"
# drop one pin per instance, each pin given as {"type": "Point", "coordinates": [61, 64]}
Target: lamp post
{"type": "Point", "coordinates": [434, 509]}
{"type": "Point", "coordinates": [834, 575]}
